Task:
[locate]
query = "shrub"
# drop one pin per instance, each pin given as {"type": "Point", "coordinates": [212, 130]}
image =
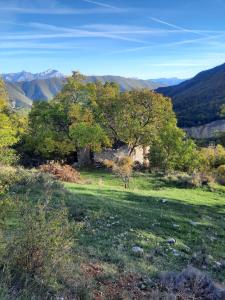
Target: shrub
{"type": "Point", "coordinates": [189, 284]}
{"type": "Point", "coordinates": [212, 157]}
{"type": "Point", "coordinates": [40, 244]}
{"type": "Point", "coordinates": [61, 172]}
{"type": "Point", "coordinates": [122, 167]}
{"type": "Point", "coordinates": [9, 176]}
{"type": "Point", "coordinates": [16, 178]}
{"type": "Point", "coordinates": [37, 233]}
{"type": "Point", "coordinates": [8, 156]}
{"type": "Point", "coordinates": [185, 180]}
{"type": "Point", "coordinates": [221, 174]}
{"type": "Point", "coordinates": [171, 150]}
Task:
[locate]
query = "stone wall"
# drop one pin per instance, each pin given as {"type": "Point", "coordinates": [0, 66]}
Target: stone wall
{"type": "Point", "coordinates": [138, 155]}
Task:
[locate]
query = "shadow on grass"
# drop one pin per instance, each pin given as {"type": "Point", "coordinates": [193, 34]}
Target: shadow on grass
{"type": "Point", "coordinates": [148, 223]}
{"type": "Point", "coordinates": [150, 215]}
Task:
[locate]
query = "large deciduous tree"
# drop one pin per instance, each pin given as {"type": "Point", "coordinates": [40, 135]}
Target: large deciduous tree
{"type": "Point", "coordinates": [62, 126]}
{"type": "Point", "coordinates": [94, 115]}
{"type": "Point", "coordinates": [171, 150]}
{"type": "Point", "coordinates": [133, 117]}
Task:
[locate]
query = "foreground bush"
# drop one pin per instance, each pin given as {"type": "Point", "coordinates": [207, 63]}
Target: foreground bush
{"type": "Point", "coordinates": [221, 174]}
{"type": "Point", "coordinates": [36, 238]}
{"type": "Point", "coordinates": [189, 284]}
{"type": "Point", "coordinates": [21, 181]}
{"type": "Point", "coordinates": [39, 248]}
{"type": "Point", "coordinates": [64, 173]}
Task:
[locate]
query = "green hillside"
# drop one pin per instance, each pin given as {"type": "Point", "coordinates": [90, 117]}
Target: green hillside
{"type": "Point", "coordinates": [17, 95]}
{"type": "Point", "coordinates": [198, 100]}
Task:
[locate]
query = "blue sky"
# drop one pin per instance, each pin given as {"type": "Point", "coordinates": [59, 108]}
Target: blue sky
{"type": "Point", "coordinates": [135, 38]}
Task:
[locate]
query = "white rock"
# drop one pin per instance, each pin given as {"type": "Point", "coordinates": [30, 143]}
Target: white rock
{"type": "Point", "coordinates": [164, 201]}
{"type": "Point", "coordinates": [176, 225]}
{"type": "Point", "coordinates": [171, 241]}
{"type": "Point", "coordinates": [194, 223]}
{"type": "Point", "coordinates": [218, 264]}
{"type": "Point", "coordinates": [137, 250]}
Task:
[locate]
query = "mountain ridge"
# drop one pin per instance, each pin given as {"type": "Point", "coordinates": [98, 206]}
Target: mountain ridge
{"type": "Point", "coordinates": [198, 100]}
{"type": "Point", "coordinates": [28, 76]}
{"type": "Point", "coordinates": [168, 81]}
{"type": "Point", "coordinates": [23, 93]}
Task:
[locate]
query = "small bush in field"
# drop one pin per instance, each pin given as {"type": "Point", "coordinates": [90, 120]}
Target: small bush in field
{"type": "Point", "coordinates": [10, 176]}
{"type": "Point", "coordinates": [40, 250]}
{"type": "Point", "coordinates": [201, 179]}
{"type": "Point", "coordinates": [221, 174]}
{"type": "Point", "coordinates": [122, 167]}
{"type": "Point", "coordinates": [17, 178]}
{"type": "Point", "coordinates": [186, 180]}
{"type": "Point", "coordinates": [189, 284]}
{"type": "Point", "coordinates": [61, 172]}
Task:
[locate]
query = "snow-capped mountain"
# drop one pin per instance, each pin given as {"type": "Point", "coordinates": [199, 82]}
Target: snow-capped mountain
{"type": "Point", "coordinates": [27, 76]}
{"type": "Point", "coordinates": [49, 74]}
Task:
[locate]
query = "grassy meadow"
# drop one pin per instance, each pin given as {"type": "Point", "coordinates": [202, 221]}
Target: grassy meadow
{"type": "Point", "coordinates": [113, 220]}
{"type": "Point", "coordinates": [106, 222]}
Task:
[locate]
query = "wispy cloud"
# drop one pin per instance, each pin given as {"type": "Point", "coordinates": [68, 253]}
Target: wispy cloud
{"type": "Point", "coordinates": [54, 32]}
{"type": "Point", "coordinates": [29, 45]}
{"type": "Point", "coordinates": [105, 31]}
{"type": "Point", "coordinates": [205, 36]}
{"type": "Point", "coordinates": [126, 29]}
{"type": "Point", "coordinates": [209, 40]}
{"type": "Point", "coordinates": [198, 32]}
{"type": "Point", "coordinates": [60, 11]}
{"type": "Point", "coordinates": [101, 4]}
{"type": "Point", "coordinates": [133, 49]}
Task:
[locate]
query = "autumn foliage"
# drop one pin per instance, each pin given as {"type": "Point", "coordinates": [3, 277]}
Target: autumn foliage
{"type": "Point", "coordinates": [122, 167]}
{"type": "Point", "coordinates": [64, 173]}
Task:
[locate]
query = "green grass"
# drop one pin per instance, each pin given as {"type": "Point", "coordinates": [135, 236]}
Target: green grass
{"type": "Point", "coordinates": [113, 219]}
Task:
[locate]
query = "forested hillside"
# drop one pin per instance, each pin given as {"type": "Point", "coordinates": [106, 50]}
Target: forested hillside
{"type": "Point", "coordinates": [198, 100]}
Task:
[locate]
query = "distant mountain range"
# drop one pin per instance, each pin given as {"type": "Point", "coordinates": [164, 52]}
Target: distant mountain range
{"type": "Point", "coordinates": [50, 73]}
{"type": "Point", "coordinates": [27, 76]}
{"type": "Point", "coordinates": [198, 100]}
{"type": "Point", "coordinates": [22, 94]}
{"type": "Point", "coordinates": [25, 87]}
{"type": "Point", "coordinates": [126, 84]}
{"type": "Point", "coordinates": [167, 81]}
